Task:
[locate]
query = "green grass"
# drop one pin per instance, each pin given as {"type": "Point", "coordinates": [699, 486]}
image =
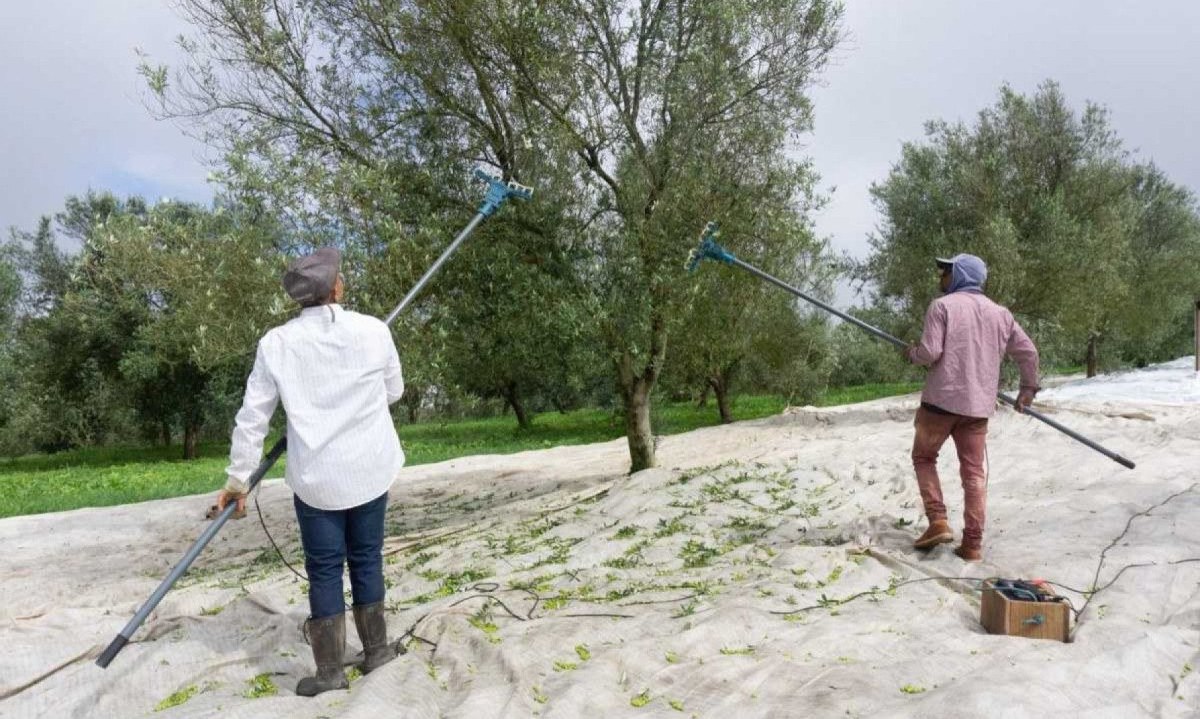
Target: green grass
{"type": "Point", "coordinates": [1064, 369]}
{"type": "Point", "coordinates": [437, 441]}
{"type": "Point", "coordinates": [865, 392]}
{"type": "Point", "coordinates": [105, 476]}
{"type": "Point", "coordinates": [98, 477]}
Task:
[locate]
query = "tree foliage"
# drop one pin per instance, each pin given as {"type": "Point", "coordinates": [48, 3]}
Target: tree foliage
{"type": "Point", "coordinates": [1163, 273]}
{"type": "Point", "coordinates": [63, 384]}
{"type": "Point", "coordinates": [1069, 226]}
{"type": "Point", "coordinates": [653, 104]}
{"type": "Point", "coordinates": [736, 327]}
{"type": "Point", "coordinates": [141, 332]}
{"type": "Point", "coordinates": [209, 283]}
{"type": "Point", "coordinates": [631, 117]}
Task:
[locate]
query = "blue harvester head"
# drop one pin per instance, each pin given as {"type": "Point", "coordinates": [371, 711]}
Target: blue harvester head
{"type": "Point", "coordinates": [708, 249]}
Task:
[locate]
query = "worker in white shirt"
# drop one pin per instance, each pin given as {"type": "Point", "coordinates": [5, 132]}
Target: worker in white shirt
{"type": "Point", "coordinates": [336, 372]}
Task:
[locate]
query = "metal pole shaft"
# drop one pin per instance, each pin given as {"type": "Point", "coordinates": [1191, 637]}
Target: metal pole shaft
{"type": "Point", "coordinates": [901, 343]}
{"type": "Point", "coordinates": [1069, 432]}
{"type": "Point", "coordinates": [119, 641]}
{"type": "Point", "coordinates": [437, 265]}
{"type": "Point", "coordinates": [828, 308]}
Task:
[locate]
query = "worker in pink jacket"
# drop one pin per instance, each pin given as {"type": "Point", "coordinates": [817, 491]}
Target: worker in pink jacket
{"type": "Point", "coordinates": [964, 339]}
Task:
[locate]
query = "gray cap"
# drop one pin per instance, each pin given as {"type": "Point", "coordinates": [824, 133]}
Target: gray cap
{"type": "Point", "coordinates": [309, 280]}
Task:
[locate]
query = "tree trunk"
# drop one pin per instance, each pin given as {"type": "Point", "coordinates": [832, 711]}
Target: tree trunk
{"type": "Point", "coordinates": [635, 387]}
{"type": "Point", "coordinates": [1196, 336]}
{"type": "Point", "coordinates": [703, 402]}
{"type": "Point", "coordinates": [512, 396]}
{"type": "Point", "coordinates": [638, 432]}
{"type": "Point", "coordinates": [192, 385]}
{"type": "Point", "coordinates": [164, 432]}
{"type": "Point", "coordinates": [191, 439]}
{"type": "Point", "coordinates": [413, 394]}
{"type": "Point", "coordinates": [722, 385]}
{"type": "Point", "coordinates": [1091, 355]}
{"type": "Point", "coordinates": [721, 390]}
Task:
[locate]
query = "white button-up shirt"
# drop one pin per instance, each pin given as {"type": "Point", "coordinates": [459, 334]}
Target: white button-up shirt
{"type": "Point", "coordinates": [336, 372]}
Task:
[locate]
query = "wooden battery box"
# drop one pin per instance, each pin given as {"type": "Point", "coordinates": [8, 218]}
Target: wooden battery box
{"type": "Point", "coordinates": [1035, 620]}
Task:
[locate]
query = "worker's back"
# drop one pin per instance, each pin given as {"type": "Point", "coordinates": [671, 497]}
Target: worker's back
{"type": "Point", "coordinates": [965, 339]}
{"type": "Point", "coordinates": [336, 372]}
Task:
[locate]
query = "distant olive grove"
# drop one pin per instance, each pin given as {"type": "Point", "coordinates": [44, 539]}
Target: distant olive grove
{"type": "Point", "coordinates": [355, 124]}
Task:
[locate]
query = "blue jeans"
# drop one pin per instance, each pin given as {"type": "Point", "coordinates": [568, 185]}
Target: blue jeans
{"type": "Point", "coordinates": [333, 538]}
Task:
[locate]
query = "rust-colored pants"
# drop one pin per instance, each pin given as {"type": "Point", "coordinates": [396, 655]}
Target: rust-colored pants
{"type": "Point", "coordinates": [970, 441]}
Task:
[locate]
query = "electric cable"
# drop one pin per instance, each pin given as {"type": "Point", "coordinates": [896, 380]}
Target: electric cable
{"type": "Point", "coordinates": [262, 522]}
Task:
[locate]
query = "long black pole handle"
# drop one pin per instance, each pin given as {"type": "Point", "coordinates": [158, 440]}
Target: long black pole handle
{"type": "Point", "coordinates": [901, 343]}
{"type": "Point", "coordinates": [813, 300]}
{"type": "Point", "coordinates": [1124, 462]}
{"type": "Point", "coordinates": [118, 643]}
{"type": "Point", "coordinates": [498, 192]}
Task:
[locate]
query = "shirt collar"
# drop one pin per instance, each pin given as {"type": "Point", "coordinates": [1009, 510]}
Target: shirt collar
{"type": "Point", "coordinates": [330, 310]}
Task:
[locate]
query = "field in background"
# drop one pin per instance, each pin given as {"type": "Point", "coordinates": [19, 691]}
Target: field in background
{"type": "Point", "coordinates": [99, 477]}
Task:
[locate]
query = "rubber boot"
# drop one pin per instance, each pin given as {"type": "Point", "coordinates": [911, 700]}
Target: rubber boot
{"type": "Point", "coordinates": [372, 630]}
{"type": "Point", "coordinates": [328, 639]}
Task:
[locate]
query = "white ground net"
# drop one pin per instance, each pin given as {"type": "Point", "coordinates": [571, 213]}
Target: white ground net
{"type": "Point", "coordinates": [554, 586]}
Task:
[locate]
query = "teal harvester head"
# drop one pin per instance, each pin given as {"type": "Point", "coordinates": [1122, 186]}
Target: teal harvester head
{"type": "Point", "coordinates": [708, 249]}
{"type": "Point", "coordinates": [499, 191]}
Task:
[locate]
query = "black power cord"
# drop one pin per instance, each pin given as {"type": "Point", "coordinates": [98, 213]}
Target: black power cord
{"type": "Point", "coordinates": [263, 523]}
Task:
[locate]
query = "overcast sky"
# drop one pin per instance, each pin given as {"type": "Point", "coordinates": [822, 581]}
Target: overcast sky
{"type": "Point", "coordinates": [912, 61]}
{"type": "Point", "coordinates": [71, 116]}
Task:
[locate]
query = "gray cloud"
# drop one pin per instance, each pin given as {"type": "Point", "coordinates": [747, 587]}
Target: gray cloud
{"type": "Point", "coordinates": [912, 61]}
{"type": "Point", "coordinates": [72, 116]}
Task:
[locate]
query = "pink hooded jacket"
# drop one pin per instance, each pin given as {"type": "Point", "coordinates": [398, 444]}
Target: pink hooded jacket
{"type": "Point", "coordinates": [965, 337]}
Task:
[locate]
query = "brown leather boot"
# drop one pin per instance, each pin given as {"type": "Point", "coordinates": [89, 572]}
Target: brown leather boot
{"type": "Point", "coordinates": [969, 554]}
{"type": "Point", "coordinates": [938, 533]}
{"type": "Point", "coordinates": [328, 639]}
{"type": "Point", "coordinates": [372, 631]}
